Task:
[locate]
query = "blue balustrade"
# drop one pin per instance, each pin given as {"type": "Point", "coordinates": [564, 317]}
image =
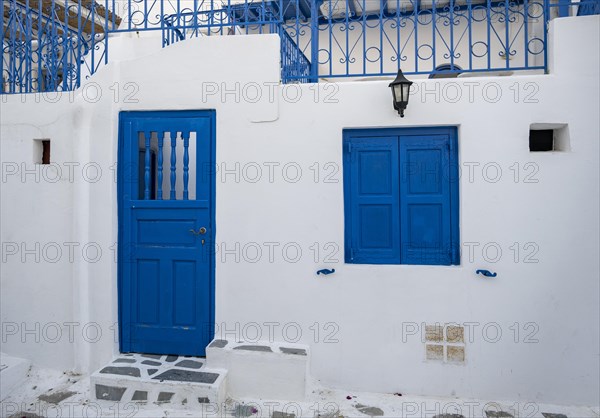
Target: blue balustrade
{"type": "Point", "coordinates": [159, 191]}
{"type": "Point", "coordinates": [295, 66]}
{"type": "Point", "coordinates": [52, 45]}
{"type": "Point", "coordinates": [147, 168]}
{"type": "Point", "coordinates": [47, 45]}
{"type": "Point", "coordinates": [186, 164]}
{"type": "Point", "coordinates": [173, 177]}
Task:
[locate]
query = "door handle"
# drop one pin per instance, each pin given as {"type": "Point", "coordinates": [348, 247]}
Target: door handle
{"type": "Point", "coordinates": [201, 231]}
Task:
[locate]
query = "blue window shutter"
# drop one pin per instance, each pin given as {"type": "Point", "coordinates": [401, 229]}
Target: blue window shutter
{"type": "Point", "coordinates": [425, 200]}
{"type": "Point", "coordinates": [372, 217]}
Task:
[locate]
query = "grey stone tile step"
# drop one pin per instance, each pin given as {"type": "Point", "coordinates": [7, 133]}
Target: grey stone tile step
{"type": "Point", "coordinates": [149, 378]}
{"type": "Point", "coordinates": [152, 367]}
{"type": "Point", "coordinates": [145, 392]}
{"type": "Point", "coordinates": [275, 348]}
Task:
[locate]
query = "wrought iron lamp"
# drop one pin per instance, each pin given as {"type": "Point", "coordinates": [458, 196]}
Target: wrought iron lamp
{"type": "Point", "coordinates": [400, 91]}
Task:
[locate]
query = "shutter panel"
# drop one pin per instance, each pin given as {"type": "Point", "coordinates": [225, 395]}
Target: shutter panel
{"type": "Point", "coordinates": [426, 234]}
{"type": "Point", "coordinates": [372, 200]}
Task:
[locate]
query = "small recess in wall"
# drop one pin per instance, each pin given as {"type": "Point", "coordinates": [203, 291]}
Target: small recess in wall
{"type": "Point", "coordinates": [541, 140]}
{"type": "Point", "coordinates": [46, 151]}
{"type": "Point", "coordinates": [549, 137]}
{"type": "Point", "coordinates": [42, 151]}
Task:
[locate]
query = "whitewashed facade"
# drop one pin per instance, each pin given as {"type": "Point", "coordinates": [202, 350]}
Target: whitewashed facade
{"type": "Point", "coordinates": [531, 333]}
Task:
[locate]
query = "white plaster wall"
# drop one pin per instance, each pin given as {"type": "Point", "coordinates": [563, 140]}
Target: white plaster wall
{"type": "Point", "coordinates": [368, 305]}
{"type": "Point", "coordinates": [36, 221]}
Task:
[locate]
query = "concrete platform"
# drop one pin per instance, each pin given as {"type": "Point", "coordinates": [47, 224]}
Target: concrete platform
{"type": "Point", "coordinates": [262, 369]}
{"type": "Point", "coordinates": [13, 371]}
{"type": "Point", "coordinates": [30, 399]}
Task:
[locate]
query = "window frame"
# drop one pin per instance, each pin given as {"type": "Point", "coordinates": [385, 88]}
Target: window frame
{"type": "Point", "coordinates": [453, 178]}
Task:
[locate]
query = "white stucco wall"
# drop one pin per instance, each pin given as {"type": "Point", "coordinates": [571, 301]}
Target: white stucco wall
{"type": "Point", "coordinates": [371, 311]}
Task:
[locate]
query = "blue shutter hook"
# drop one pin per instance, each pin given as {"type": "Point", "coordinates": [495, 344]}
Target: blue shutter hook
{"type": "Point", "coordinates": [486, 273]}
{"type": "Point", "coordinates": [325, 271]}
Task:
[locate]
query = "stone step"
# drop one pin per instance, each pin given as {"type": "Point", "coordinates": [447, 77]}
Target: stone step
{"type": "Point", "coordinates": [261, 369]}
{"type": "Point", "coordinates": [159, 378]}
{"type": "Point", "coordinates": [13, 370]}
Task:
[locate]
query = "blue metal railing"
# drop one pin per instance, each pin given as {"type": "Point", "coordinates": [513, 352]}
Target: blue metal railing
{"type": "Point", "coordinates": [231, 19]}
{"type": "Point", "coordinates": [52, 45]}
{"type": "Point", "coordinates": [358, 38]}
{"type": "Point", "coordinates": [238, 19]}
{"type": "Point", "coordinates": [295, 66]}
{"type": "Point", "coordinates": [48, 45]}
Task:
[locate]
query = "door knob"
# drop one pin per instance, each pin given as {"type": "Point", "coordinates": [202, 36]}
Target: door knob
{"type": "Point", "coordinates": [201, 231]}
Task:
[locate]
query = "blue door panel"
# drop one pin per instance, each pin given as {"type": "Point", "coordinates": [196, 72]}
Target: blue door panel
{"type": "Point", "coordinates": [375, 171]}
{"type": "Point", "coordinates": [425, 223]}
{"type": "Point", "coordinates": [148, 290]}
{"type": "Point", "coordinates": [168, 227]}
{"type": "Point", "coordinates": [166, 268]}
{"type": "Point", "coordinates": [425, 200]}
{"type": "Point", "coordinates": [185, 293]}
{"type": "Point", "coordinates": [172, 232]}
{"type": "Point", "coordinates": [375, 223]}
{"type": "Point", "coordinates": [423, 174]}
{"type": "Point", "coordinates": [374, 210]}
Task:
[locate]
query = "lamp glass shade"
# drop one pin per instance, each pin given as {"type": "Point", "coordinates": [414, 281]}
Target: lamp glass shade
{"type": "Point", "coordinates": [400, 91]}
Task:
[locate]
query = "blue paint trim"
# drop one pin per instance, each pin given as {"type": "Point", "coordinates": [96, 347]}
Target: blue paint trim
{"type": "Point", "coordinates": [382, 154]}
{"type": "Point", "coordinates": [454, 174]}
{"type": "Point", "coordinates": [373, 133]}
{"type": "Point", "coordinates": [126, 119]}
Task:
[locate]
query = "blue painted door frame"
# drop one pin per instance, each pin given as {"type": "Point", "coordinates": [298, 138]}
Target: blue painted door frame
{"type": "Point", "coordinates": [165, 264]}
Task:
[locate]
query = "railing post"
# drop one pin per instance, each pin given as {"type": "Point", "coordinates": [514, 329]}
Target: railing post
{"type": "Point", "coordinates": [314, 42]}
{"type": "Point", "coordinates": [163, 30]}
{"type": "Point", "coordinates": [6, 21]}
{"type": "Point", "coordinates": [545, 29]}
{"type": "Point", "coordinates": [563, 8]}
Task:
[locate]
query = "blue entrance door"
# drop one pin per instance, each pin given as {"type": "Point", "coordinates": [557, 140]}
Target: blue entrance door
{"type": "Point", "coordinates": [166, 231]}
